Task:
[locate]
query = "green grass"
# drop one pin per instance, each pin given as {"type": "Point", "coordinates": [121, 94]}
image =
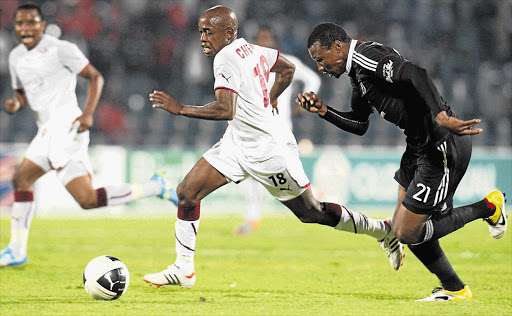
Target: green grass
{"type": "Point", "coordinates": [285, 268]}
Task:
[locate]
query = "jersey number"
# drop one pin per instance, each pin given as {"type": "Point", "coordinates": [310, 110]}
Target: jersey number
{"type": "Point", "coordinates": [262, 71]}
{"type": "Point", "coordinates": [280, 178]}
{"type": "Point", "coordinates": [423, 189]}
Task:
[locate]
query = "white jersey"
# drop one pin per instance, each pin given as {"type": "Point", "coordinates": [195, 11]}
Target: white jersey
{"type": "Point", "coordinates": [47, 73]}
{"type": "Point", "coordinates": [244, 68]}
{"type": "Point", "coordinates": [286, 101]}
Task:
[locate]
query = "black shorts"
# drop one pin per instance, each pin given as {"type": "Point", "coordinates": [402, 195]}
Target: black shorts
{"type": "Point", "coordinates": [431, 176]}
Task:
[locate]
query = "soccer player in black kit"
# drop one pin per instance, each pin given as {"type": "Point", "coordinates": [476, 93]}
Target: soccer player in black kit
{"type": "Point", "coordinates": [438, 145]}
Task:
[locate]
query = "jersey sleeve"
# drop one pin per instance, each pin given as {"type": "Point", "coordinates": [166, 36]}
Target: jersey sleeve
{"type": "Point", "coordinates": [271, 55]}
{"type": "Point", "coordinates": [379, 61]}
{"type": "Point", "coordinates": [72, 57]}
{"type": "Point", "coordinates": [226, 72]}
{"type": "Point", "coordinates": [389, 68]}
{"type": "Point", "coordinates": [15, 82]}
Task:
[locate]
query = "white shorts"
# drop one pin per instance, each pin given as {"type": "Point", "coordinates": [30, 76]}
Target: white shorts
{"type": "Point", "coordinates": [282, 174]}
{"type": "Point", "coordinates": [55, 149]}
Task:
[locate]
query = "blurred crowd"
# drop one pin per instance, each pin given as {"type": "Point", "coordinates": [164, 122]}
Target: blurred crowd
{"type": "Point", "coordinates": [143, 45]}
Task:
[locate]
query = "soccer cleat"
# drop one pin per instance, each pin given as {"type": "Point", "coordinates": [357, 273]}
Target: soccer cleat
{"type": "Point", "coordinates": [498, 221]}
{"type": "Point", "coordinates": [247, 227]}
{"type": "Point", "coordinates": [8, 258]}
{"type": "Point", "coordinates": [171, 276]}
{"type": "Point", "coordinates": [167, 192]}
{"type": "Point", "coordinates": [440, 294]}
{"type": "Point", "coordinates": [393, 248]}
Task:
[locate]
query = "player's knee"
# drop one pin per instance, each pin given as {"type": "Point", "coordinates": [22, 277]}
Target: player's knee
{"type": "Point", "coordinates": [405, 236]}
{"type": "Point", "coordinates": [186, 196]}
{"type": "Point", "coordinates": [20, 182]}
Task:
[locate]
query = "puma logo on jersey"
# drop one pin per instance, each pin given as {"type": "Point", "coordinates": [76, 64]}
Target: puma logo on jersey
{"type": "Point", "coordinates": [387, 71]}
{"type": "Point", "coordinates": [285, 189]}
{"type": "Point", "coordinates": [227, 79]}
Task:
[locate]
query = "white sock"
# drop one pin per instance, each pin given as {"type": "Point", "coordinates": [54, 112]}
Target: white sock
{"type": "Point", "coordinates": [21, 218]}
{"type": "Point", "coordinates": [186, 235]}
{"type": "Point", "coordinates": [253, 197]}
{"type": "Point", "coordinates": [358, 223]}
{"type": "Point", "coordinates": [129, 192]}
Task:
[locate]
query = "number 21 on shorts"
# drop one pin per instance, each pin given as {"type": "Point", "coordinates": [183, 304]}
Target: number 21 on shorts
{"type": "Point", "coordinates": [424, 188]}
{"type": "Point", "coordinates": [262, 71]}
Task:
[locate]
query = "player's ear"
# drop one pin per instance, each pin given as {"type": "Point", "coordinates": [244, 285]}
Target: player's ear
{"type": "Point", "coordinates": [230, 33]}
{"type": "Point", "coordinates": [338, 45]}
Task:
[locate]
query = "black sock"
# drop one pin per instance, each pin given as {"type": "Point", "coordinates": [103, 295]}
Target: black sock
{"type": "Point", "coordinates": [458, 217]}
{"type": "Point", "coordinates": [433, 257]}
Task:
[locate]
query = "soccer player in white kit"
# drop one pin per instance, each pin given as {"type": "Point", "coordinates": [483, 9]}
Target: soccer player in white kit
{"type": "Point", "coordinates": [310, 81]}
{"type": "Point", "coordinates": [255, 145]}
{"type": "Point", "coordinates": [43, 75]}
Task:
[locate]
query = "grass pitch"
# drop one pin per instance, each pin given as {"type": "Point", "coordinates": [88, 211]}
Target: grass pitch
{"type": "Point", "coordinates": [284, 268]}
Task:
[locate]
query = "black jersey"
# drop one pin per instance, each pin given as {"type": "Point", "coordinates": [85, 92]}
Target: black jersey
{"type": "Point", "coordinates": [377, 85]}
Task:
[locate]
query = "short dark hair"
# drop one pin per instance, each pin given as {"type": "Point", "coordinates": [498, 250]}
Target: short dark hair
{"type": "Point", "coordinates": [30, 6]}
{"type": "Point", "coordinates": [326, 34]}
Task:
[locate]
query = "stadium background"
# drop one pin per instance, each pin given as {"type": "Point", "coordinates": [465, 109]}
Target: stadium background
{"type": "Point", "coordinates": [142, 45]}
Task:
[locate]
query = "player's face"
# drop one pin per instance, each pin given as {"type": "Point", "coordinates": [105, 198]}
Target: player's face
{"type": "Point", "coordinates": [213, 38]}
{"type": "Point", "coordinates": [265, 39]}
{"type": "Point", "coordinates": [28, 27]}
{"type": "Point", "coordinates": [330, 61]}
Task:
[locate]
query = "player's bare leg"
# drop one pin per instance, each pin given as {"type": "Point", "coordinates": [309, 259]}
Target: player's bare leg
{"type": "Point", "coordinates": [430, 252]}
{"type": "Point", "coordinates": [309, 210]}
{"type": "Point", "coordinates": [87, 197]}
{"type": "Point", "coordinates": [198, 183]}
{"type": "Point", "coordinates": [23, 210]}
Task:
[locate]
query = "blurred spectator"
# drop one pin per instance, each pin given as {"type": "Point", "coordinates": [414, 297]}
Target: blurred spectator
{"type": "Point", "coordinates": [141, 45]}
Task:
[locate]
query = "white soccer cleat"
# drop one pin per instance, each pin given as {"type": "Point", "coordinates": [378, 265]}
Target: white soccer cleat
{"type": "Point", "coordinates": [8, 258]}
{"type": "Point", "coordinates": [393, 248]}
{"type": "Point", "coordinates": [498, 221]}
{"type": "Point", "coordinates": [440, 294]}
{"type": "Point", "coordinates": [171, 276]}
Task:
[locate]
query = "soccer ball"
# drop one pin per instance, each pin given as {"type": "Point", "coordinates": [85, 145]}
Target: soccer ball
{"type": "Point", "coordinates": [106, 278]}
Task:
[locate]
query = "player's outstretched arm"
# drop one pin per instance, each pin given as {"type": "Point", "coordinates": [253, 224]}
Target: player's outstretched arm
{"type": "Point", "coordinates": [93, 96]}
{"type": "Point", "coordinates": [18, 102]}
{"type": "Point", "coordinates": [311, 103]}
{"type": "Point", "coordinates": [423, 84]}
{"type": "Point", "coordinates": [457, 126]}
{"type": "Point", "coordinates": [355, 121]}
{"type": "Point", "coordinates": [222, 109]}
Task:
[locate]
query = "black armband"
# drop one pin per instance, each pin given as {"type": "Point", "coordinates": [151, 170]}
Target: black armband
{"type": "Point", "coordinates": [347, 121]}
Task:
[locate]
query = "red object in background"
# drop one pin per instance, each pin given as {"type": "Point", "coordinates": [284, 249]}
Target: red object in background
{"type": "Point", "coordinates": [111, 120]}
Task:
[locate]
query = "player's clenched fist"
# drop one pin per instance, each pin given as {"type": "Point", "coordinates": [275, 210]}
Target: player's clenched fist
{"type": "Point", "coordinates": [11, 106]}
{"type": "Point", "coordinates": [166, 102]}
{"type": "Point", "coordinates": [312, 103]}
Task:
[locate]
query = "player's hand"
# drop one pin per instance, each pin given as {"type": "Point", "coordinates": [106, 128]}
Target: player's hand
{"type": "Point", "coordinates": [163, 101]}
{"type": "Point", "coordinates": [11, 107]}
{"type": "Point", "coordinates": [274, 106]}
{"type": "Point", "coordinates": [312, 103]}
{"type": "Point", "coordinates": [457, 126]}
{"type": "Point", "coordinates": [85, 120]}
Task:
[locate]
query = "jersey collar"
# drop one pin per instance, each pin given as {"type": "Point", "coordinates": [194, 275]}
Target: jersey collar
{"type": "Point", "coordinates": [350, 53]}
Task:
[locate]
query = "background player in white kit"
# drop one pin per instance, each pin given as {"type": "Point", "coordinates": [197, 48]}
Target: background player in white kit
{"type": "Point", "coordinates": [43, 75]}
{"type": "Point", "coordinates": [309, 81]}
{"type": "Point", "coordinates": [255, 144]}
